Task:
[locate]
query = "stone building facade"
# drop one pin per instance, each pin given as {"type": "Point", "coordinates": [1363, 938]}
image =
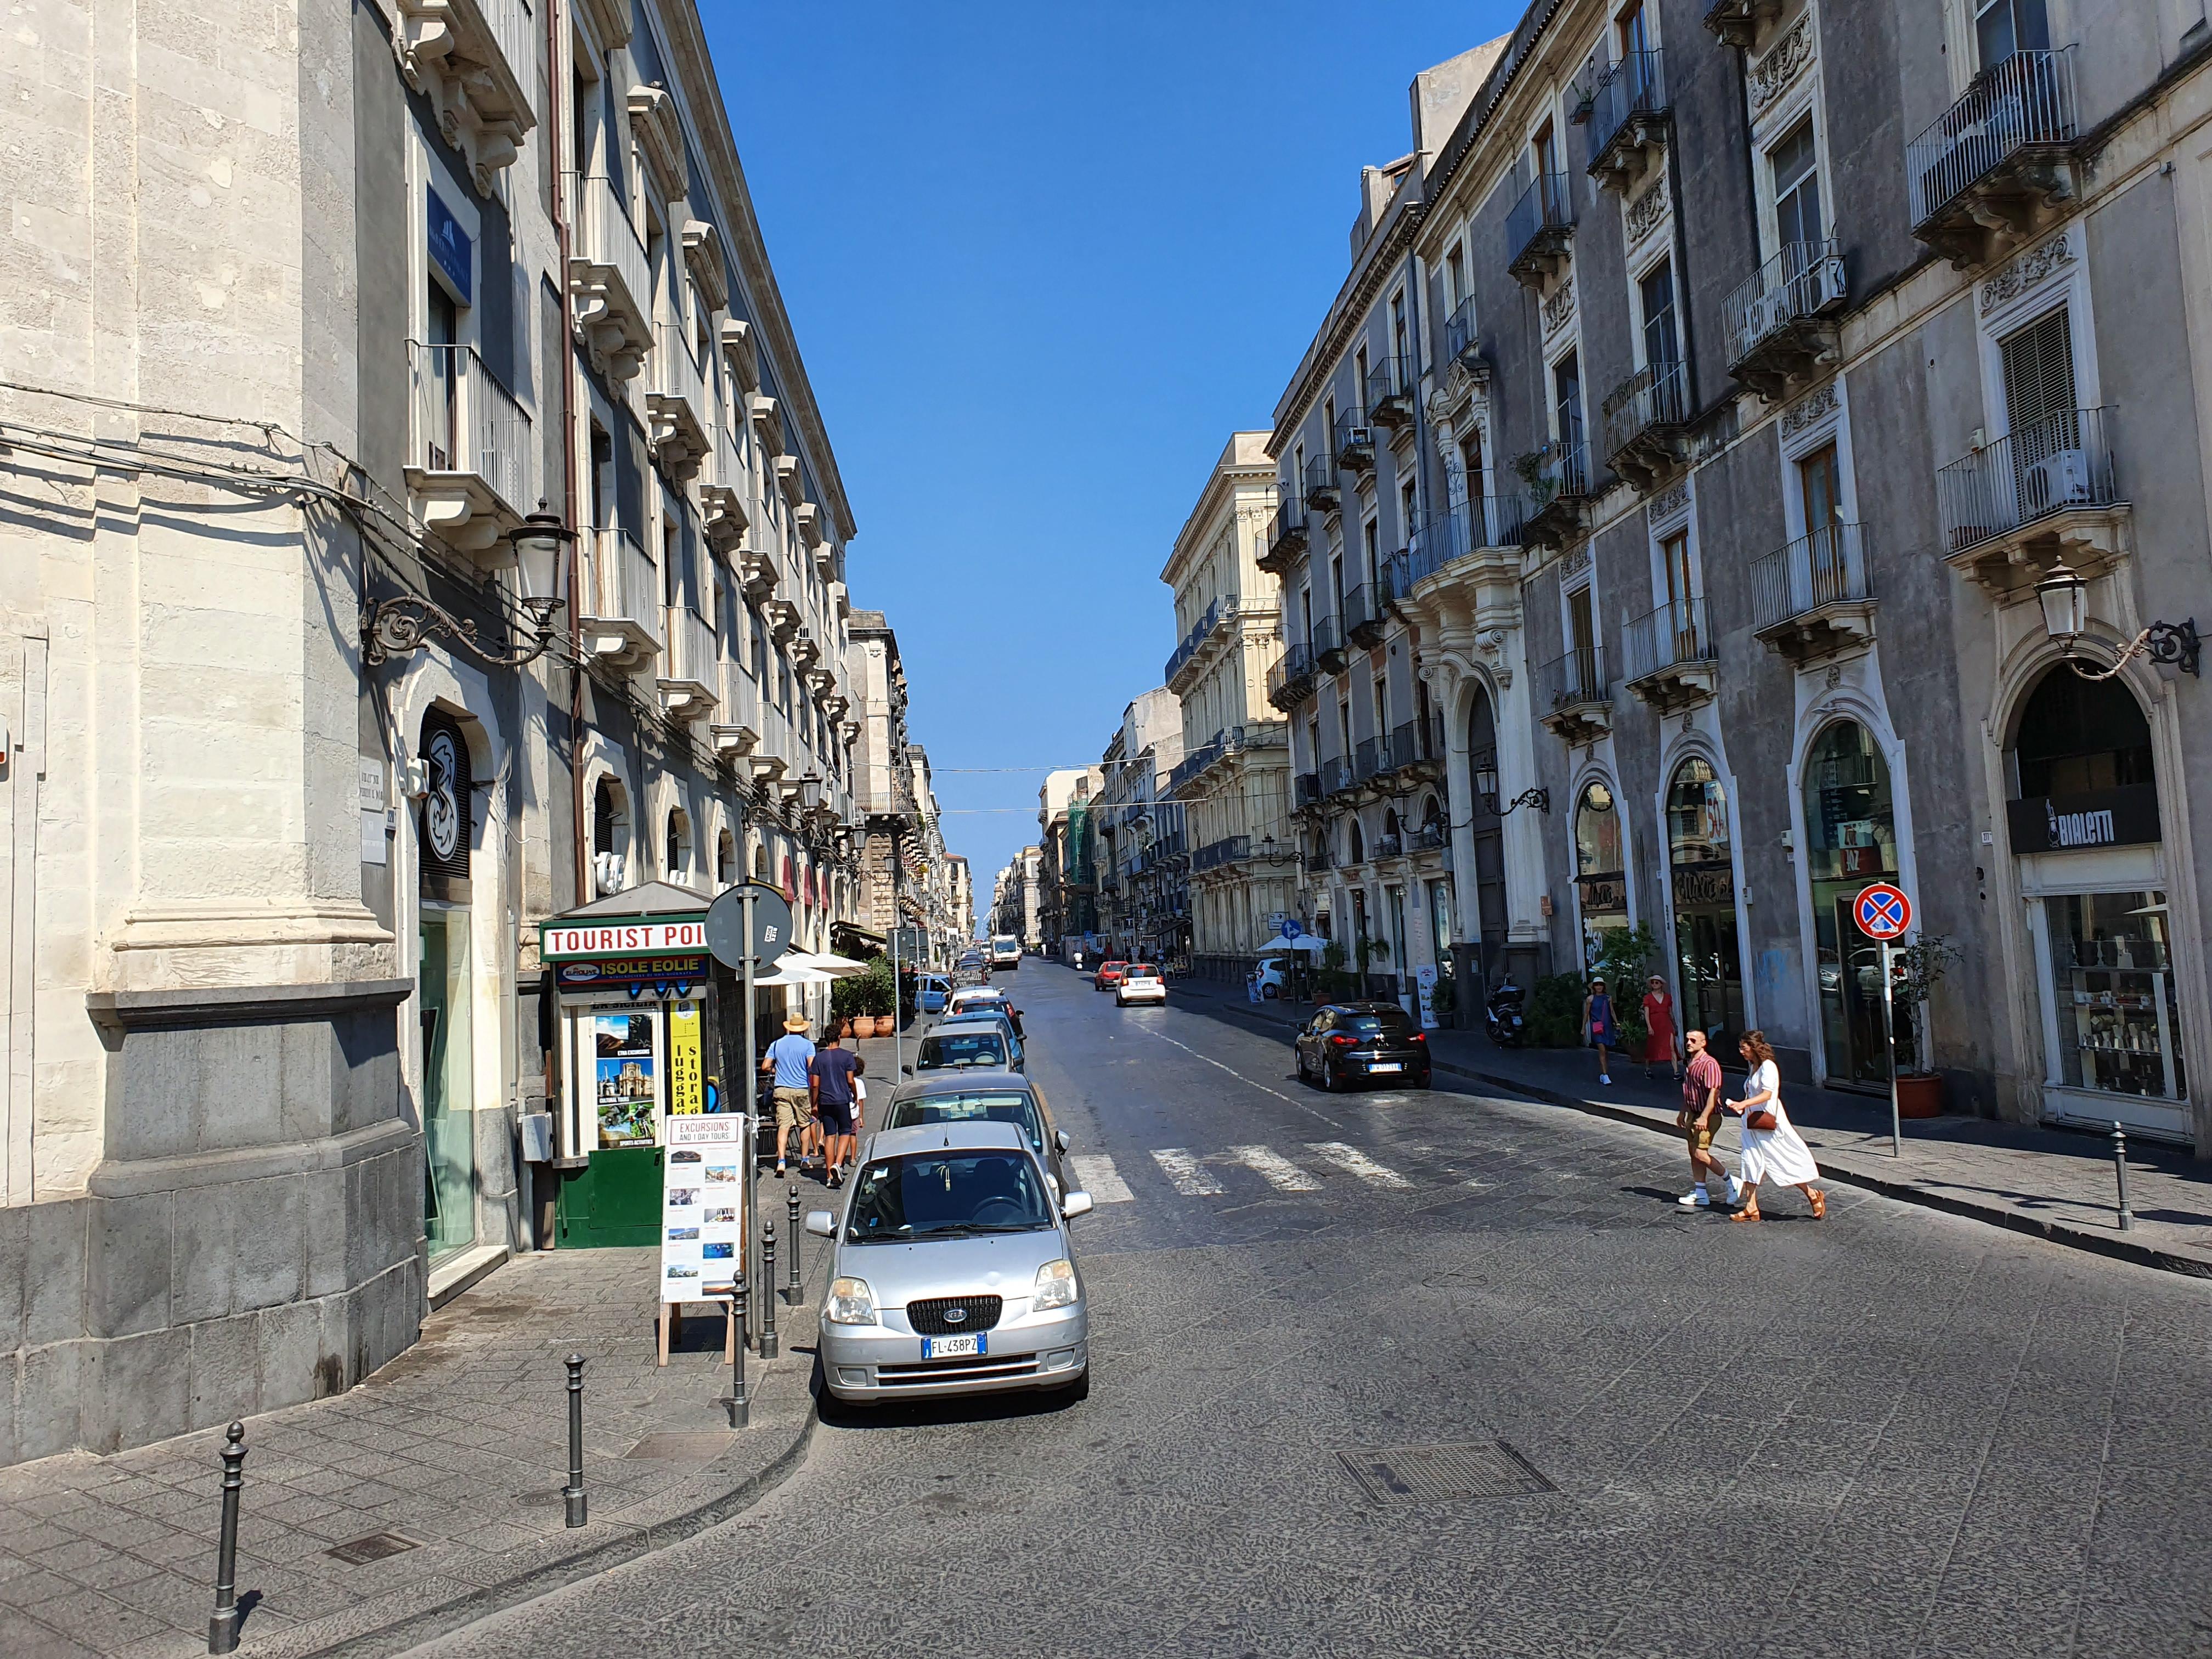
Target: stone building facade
{"type": "Point", "coordinates": [315, 325]}
{"type": "Point", "coordinates": [1805, 411]}
{"type": "Point", "coordinates": [1144, 910]}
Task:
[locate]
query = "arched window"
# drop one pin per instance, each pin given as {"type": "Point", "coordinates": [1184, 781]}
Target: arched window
{"type": "Point", "coordinates": [609, 837]}
{"type": "Point", "coordinates": [2078, 735]}
{"type": "Point", "coordinates": [726, 858]}
{"type": "Point", "coordinates": [1850, 840]}
{"type": "Point", "coordinates": [760, 863]}
{"type": "Point", "coordinates": [1600, 869]}
{"type": "Point", "coordinates": [677, 863]}
{"type": "Point", "coordinates": [1702, 869]}
{"type": "Point", "coordinates": [1432, 814]}
{"type": "Point", "coordinates": [1355, 842]}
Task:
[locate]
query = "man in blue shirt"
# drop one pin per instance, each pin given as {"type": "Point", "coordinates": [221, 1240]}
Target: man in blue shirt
{"type": "Point", "coordinates": [836, 1105]}
{"type": "Point", "coordinates": [791, 1057]}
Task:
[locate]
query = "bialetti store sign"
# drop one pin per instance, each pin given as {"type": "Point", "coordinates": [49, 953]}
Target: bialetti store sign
{"type": "Point", "coordinates": [2100, 817]}
{"type": "Point", "coordinates": [646, 936]}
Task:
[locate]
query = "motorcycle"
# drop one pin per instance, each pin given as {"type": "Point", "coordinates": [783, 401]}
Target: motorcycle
{"type": "Point", "coordinates": [1501, 1015]}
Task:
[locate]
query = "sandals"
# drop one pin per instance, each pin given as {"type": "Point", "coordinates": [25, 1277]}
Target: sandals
{"type": "Point", "coordinates": [1820, 1204]}
{"type": "Point", "coordinates": [1746, 1215]}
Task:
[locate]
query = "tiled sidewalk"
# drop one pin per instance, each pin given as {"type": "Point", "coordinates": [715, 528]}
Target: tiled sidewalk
{"type": "Point", "coordinates": [2052, 1184]}
{"type": "Point", "coordinates": [458, 1449]}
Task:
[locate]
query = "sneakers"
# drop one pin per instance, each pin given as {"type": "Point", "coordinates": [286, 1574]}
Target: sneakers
{"type": "Point", "coordinates": [1735, 1190]}
{"type": "Point", "coordinates": [1604, 1081]}
{"type": "Point", "coordinates": [1696, 1198]}
{"type": "Point", "coordinates": [779, 1166]}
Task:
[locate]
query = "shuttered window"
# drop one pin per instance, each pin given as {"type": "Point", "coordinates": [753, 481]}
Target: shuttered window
{"type": "Point", "coordinates": [2040, 399]}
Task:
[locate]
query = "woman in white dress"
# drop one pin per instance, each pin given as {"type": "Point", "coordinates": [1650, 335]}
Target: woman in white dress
{"type": "Point", "coordinates": [1772, 1151]}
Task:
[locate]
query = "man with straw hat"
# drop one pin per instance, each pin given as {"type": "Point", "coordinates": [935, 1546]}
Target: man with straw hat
{"type": "Point", "coordinates": [791, 1057]}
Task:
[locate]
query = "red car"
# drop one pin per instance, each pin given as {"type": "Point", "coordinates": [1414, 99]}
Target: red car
{"type": "Point", "coordinates": [1108, 976]}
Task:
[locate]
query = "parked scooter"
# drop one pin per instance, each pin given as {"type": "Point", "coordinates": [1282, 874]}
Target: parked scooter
{"type": "Point", "coordinates": [1502, 1016]}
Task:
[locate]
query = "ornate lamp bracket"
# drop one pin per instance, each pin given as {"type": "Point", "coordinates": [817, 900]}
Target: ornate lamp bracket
{"type": "Point", "coordinates": [398, 627]}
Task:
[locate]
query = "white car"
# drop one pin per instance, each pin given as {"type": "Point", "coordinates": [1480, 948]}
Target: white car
{"type": "Point", "coordinates": [1140, 983]}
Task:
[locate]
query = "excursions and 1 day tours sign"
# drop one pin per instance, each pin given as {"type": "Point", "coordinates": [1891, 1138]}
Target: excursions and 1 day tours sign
{"type": "Point", "coordinates": [702, 1207]}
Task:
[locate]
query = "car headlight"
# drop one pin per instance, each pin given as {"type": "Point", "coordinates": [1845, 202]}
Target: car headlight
{"type": "Point", "coordinates": [1055, 1286]}
{"type": "Point", "coordinates": [851, 1302]}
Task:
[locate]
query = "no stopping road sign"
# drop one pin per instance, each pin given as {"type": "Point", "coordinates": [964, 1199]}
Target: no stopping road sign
{"type": "Point", "coordinates": [1883, 911]}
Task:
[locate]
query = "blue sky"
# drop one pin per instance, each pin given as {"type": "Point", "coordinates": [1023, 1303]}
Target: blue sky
{"type": "Point", "coordinates": [1042, 261]}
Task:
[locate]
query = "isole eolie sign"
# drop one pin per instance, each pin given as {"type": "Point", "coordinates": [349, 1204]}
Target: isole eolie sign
{"type": "Point", "coordinates": [665, 955]}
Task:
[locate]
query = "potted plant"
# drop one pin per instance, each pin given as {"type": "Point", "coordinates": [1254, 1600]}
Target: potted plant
{"type": "Point", "coordinates": [1542, 484]}
{"type": "Point", "coordinates": [1915, 969]}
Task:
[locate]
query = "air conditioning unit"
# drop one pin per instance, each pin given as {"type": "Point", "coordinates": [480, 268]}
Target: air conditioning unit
{"type": "Point", "coordinates": [1356, 436]}
{"type": "Point", "coordinates": [2059, 480]}
{"type": "Point", "coordinates": [1830, 277]}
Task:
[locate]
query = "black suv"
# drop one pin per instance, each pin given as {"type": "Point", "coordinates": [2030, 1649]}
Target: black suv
{"type": "Point", "coordinates": [1348, 1040]}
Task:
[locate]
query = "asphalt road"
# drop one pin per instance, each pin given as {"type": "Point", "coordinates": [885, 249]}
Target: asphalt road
{"type": "Point", "coordinates": [1889, 1433]}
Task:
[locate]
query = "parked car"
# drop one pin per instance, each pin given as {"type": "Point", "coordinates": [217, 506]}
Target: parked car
{"type": "Point", "coordinates": [1348, 1040]}
{"type": "Point", "coordinates": [989, 1019]}
{"type": "Point", "coordinates": [1141, 984]}
{"type": "Point", "coordinates": [968, 1049]}
{"type": "Point", "coordinates": [935, 994]}
{"type": "Point", "coordinates": [953, 1272]}
{"type": "Point", "coordinates": [1109, 975]}
{"type": "Point", "coordinates": [973, 1097]}
{"type": "Point", "coordinates": [983, 996]}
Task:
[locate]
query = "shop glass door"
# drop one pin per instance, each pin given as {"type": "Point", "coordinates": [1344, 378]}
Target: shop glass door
{"type": "Point", "coordinates": [1851, 842]}
{"type": "Point", "coordinates": [448, 1095]}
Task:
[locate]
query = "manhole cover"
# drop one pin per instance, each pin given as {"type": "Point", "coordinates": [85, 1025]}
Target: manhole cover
{"type": "Point", "coordinates": [377, 1544]}
{"type": "Point", "coordinates": [1440, 1475]}
{"type": "Point", "coordinates": [678, 1447]}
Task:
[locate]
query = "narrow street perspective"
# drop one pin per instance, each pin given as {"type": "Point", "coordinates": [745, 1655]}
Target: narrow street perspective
{"type": "Point", "coordinates": [1473, 928]}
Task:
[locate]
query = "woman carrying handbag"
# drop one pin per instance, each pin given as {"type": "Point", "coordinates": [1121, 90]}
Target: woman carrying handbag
{"type": "Point", "coordinates": [1771, 1149]}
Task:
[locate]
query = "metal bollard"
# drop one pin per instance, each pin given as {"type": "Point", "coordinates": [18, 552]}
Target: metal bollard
{"type": "Point", "coordinates": [741, 1407]}
{"type": "Point", "coordinates": [2120, 1169]}
{"type": "Point", "coordinates": [222, 1628]}
{"type": "Point", "coordinates": [797, 1290]}
{"type": "Point", "coordinates": [573, 1494]}
{"type": "Point", "coordinates": [769, 1349]}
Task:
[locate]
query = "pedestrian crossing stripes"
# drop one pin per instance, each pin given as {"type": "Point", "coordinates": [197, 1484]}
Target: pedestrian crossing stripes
{"type": "Point", "coordinates": [1187, 1175]}
{"type": "Point", "coordinates": [1277, 1170]}
{"type": "Point", "coordinates": [1353, 1161]}
{"type": "Point", "coordinates": [1098, 1177]}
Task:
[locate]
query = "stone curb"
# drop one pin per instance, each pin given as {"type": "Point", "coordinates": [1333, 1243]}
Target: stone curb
{"type": "Point", "coordinates": [2113, 1245]}
{"type": "Point", "coordinates": [400, 1619]}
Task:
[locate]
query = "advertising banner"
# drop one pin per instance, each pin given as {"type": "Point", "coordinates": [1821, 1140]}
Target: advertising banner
{"type": "Point", "coordinates": [626, 1063]}
{"type": "Point", "coordinates": [687, 1089]}
{"type": "Point", "coordinates": [1424, 978]}
{"type": "Point", "coordinates": [702, 1207]}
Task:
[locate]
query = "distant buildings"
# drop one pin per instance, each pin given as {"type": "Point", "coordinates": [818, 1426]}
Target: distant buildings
{"type": "Point", "coordinates": [1142, 860]}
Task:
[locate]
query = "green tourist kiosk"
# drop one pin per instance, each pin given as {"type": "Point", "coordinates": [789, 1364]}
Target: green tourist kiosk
{"type": "Point", "coordinates": [637, 1045]}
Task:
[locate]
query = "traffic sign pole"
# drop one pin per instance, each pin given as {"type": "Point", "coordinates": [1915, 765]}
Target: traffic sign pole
{"type": "Point", "coordinates": [1884, 912]}
{"type": "Point", "coordinates": [1889, 1026]}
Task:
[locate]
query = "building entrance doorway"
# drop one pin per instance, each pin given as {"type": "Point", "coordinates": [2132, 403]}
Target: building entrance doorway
{"type": "Point", "coordinates": [1850, 842]}
{"type": "Point", "coordinates": [1701, 866]}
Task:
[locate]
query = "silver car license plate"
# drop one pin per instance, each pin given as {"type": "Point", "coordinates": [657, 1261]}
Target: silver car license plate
{"type": "Point", "coordinates": [1387, 1066]}
{"type": "Point", "coordinates": [952, 1347]}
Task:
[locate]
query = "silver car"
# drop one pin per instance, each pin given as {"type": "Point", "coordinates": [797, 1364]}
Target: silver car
{"type": "Point", "coordinates": [953, 1272]}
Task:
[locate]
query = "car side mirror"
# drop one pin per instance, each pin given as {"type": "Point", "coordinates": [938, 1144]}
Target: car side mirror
{"type": "Point", "coordinates": [822, 1224]}
{"type": "Point", "coordinates": [1060, 1139]}
{"type": "Point", "coordinates": [1073, 1205]}
{"type": "Point", "coordinates": [909, 1070]}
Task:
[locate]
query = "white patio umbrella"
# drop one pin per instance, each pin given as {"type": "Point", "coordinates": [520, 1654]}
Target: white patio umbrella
{"type": "Point", "coordinates": [1306, 943]}
{"type": "Point", "coordinates": [789, 971]}
{"type": "Point", "coordinates": [825, 962]}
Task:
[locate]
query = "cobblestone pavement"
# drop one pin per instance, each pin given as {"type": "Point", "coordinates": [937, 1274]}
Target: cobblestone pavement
{"type": "Point", "coordinates": [2058, 1183]}
{"type": "Point", "coordinates": [1895, 1432]}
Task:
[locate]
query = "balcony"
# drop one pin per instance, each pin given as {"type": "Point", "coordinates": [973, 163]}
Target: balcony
{"type": "Point", "coordinates": [1629, 120]}
{"type": "Point", "coordinates": [756, 573]}
{"type": "Point", "coordinates": [1539, 230]}
{"type": "Point", "coordinates": [1998, 164]}
{"type": "Point", "coordinates": [1779, 332]}
{"type": "Point", "coordinates": [1416, 747]}
{"type": "Point", "coordinates": [1389, 391]}
{"type": "Point", "coordinates": [1305, 791]}
{"type": "Point", "coordinates": [1671, 656]}
{"type": "Point", "coordinates": [1367, 757]}
{"type": "Point", "coordinates": [1186, 653]}
{"type": "Point", "coordinates": [1336, 775]}
{"type": "Point", "coordinates": [469, 58]}
{"type": "Point", "coordinates": [677, 404]}
{"type": "Point", "coordinates": [1363, 615]}
{"type": "Point", "coordinates": [1322, 493]}
{"type": "Point", "coordinates": [1354, 442]}
{"type": "Point", "coordinates": [805, 649]}
{"type": "Point", "coordinates": [1560, 494]}
{"type": "Point", "coordinates": [1230, 849]}
{"type": "Point", "coordinates": [768, 422]}
{"type": "Point", "coordinates": [1330, 654]}
{"type": "Point", "coordinates": [1810, 600]}
{"type": "Point", "coordinates": [788, 479]}
{"type": "Point", "coordinates": [1647, 425]}
{"type": "Point", "coordinates": [1737, 23]}
{"type": "Point", "coordinates": [737, 733]}
{"type": "Point", "coordinates": [1286, 538]}
{"type": "Point", "coordinates": [619, 610]}
{"type": "Point", "coordinates": [471, 460]}
{"type": "Point", "coordinates": [1290, 681]}
{"type": "Point", "coordinates": [690, 668]}
{"type": "Point", "coordinates": [724, 514]}
{"type": "Point", "coordinates": [1572, 695]}
{"type": "Point", "coordinates": [1462, 346]}
{"type": "Point", "coordinates": [2034, 498]}
{"type": "Point", "coordinates": [610, 284]}
{"type": "Point", "coordinates": [782, 618]}
{"type": "Point", "coordinates": [1318, 861]}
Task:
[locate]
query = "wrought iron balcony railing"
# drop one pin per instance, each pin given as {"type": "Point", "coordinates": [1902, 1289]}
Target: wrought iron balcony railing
{"type": "Point", "coordinates": [1321, 486]}
{"type": "Point", "coordinates": [2061, 462]}
{"type": "Point", "coordinates": [1673, 633]}
{"type": "Point", "coordinates": [1655, 396]}
{"type": "Point", "coordinates": [1828, 567]}
{"type": "Point", "coordinates": [2024, 102]}
{"type": "Point", "coordinates": [1540, 223]}
{"type": "Point", "coordinates": [1800, 282]}
{"type": "Point", "coordinates": [1635, 87]}
{"type": "Point", "coordinates": [1578, 677]}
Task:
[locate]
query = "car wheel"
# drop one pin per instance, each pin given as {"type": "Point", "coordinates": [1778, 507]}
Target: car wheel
{"type": "Point", "coordinates": [1268, 993]}
{"type": "Point", "coordinates": [1329, 1082]}
{"type": "Point", "coordinates": [1425, 1080]}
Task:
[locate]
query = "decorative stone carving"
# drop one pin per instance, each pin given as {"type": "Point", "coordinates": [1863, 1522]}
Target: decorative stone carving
{"type": "Point", "coordinates": [1559, 308]}
{"type": "Point", "coordinates": [455, 55]}
{"type": "Point", "coordinates": [1814, 406]}
{"type": "Point", "coordinates": [1576, 558]}
{"type": "Point", "coordinates": [1774, 74]}
{"type": "Point", "coordinates": [2025, 272]}
{"type": "Point", "coordinates": [1647, 212]}
{"type": "Point", "coordinates": [1670, 501]}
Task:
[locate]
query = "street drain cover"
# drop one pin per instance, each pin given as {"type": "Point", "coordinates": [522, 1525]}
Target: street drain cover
{"type": "Point", "coordinates": [361, 1551]}
{"type": "Point", "coordinates": [1440, 1475]}
{"type": "Point", "coordinates": [678, 1447]}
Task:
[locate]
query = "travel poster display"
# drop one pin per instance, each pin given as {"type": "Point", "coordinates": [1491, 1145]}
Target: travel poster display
{"type": "Point", "coordinates": [702, 1207]}
{"type": "Point", "coordinates": [626, 1062]}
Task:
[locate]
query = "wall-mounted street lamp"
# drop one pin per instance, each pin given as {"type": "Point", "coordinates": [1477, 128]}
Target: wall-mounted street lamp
{"type": "Point", "coordinates": [2065, 598]}
{"type": "Point", "coordinates": [1485, 787]}
{"type": "Point", "coordinates": [397, 627]}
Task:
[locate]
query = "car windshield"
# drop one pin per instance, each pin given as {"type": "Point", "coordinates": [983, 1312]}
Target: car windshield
{"type": "Point", "coordinates": [940, 1194]}
{"type": "Point", "coordinates": [976, 1048]}
{"type": "Point", "coordinates": [1018, 1110]}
